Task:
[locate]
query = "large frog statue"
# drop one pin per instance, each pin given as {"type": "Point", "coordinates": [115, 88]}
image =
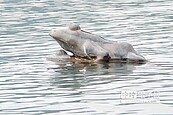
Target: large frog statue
{"type": "Point", "coordinates": [89, 46]}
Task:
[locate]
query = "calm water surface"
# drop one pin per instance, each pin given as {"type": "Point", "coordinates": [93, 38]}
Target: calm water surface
{"type": "Point", "coordinates": [32, 85]}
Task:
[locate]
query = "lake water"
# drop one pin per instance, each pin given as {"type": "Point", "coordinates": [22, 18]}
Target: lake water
{"type": "Point", "coordinates": [32, 85]}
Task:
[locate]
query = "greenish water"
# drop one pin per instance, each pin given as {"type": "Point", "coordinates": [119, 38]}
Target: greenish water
{"type": "Point", "coordinates": [32, 85]}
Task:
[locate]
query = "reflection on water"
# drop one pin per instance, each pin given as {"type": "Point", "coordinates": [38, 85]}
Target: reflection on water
{"type": "Point", "coordinates": [91, 84]}
{"type": "Point", "coordinates": [77, 74]}
{"type": "Point", "coordinates": [29, 84]}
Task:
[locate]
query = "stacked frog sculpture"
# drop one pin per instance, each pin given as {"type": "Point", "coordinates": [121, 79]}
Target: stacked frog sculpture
{"type": "Point", "coordinates": [93, 48]}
